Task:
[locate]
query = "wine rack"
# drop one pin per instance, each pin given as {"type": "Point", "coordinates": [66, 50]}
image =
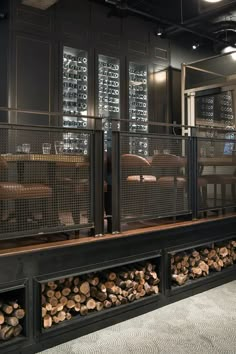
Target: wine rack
{"type": "Point", "coordinates": [216, 111]}
{"type": "Point", "coordinates": [75, 98]}
{"type": "Point", "coordinates": [138, 107]}
{"type": "Point", "coordinates": [108, 92]}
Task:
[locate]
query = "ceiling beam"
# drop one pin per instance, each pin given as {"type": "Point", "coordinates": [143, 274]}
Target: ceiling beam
{"type": "Point", "coordinates": [39, 4]}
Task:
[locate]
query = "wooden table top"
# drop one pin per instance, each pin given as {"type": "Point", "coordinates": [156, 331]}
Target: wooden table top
{"type": "Point", "coordinates": [77, 159]}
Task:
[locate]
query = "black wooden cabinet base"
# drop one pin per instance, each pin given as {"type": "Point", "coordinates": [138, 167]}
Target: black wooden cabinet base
{"type": "Point", "coordinates": [26, 272]}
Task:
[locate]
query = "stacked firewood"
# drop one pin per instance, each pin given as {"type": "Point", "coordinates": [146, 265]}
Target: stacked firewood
{"type": "Point", "coordinates": [199, 263]}
{"type": "Point", "coordinates": [11, 315]}
{"type": "Point", "coordinates": [64, 298]}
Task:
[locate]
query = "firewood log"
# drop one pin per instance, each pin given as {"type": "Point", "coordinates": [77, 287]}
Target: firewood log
{"type": "Point", "coordinates": [53, 311]}
{"type": "Point", "coordinates": [63, 300]}
{"type": "Point", "coordinates": [76, 281]}
{"type": "Point", "coordinates": [75, 289]}
{"type": "Point", "coordinates": [83, 310]}
{"type": "Point", "coordinates": [47, 321]}
{"type": "Point", "coordinates": [53, 301]}
{"type": "Point", "coordinates": [11, 321]}
{"type": "Point", "coordinates": [93, 281]}
{"type": "Point", "coordinates": [43, 300]}
{"type": "Point", "coordinates": [84, 288]}
{"type": "Point", "coordinates": [55, 319]}
{"type": "Point", "coordinates": [60, 307]}
{"type": "Point", "coordinates": [203, 266]}
{"type": "Point", "coordinates": [223, 251]}
{"type": "Point", "coordinates": [131, 297]}
{"type": "Point", "coordinates": [17, 330]}
{"type": "Point", "coordinates": [6, 332]}
{"type": "Point", "coordinates": [68, 316]}
{"type": "Point", "coordinates": [50, 293]}
{"type": "Point", "coordinates": [107, 304]}
{"type": "Point", "coordinates": [19, 313]}
{"type": "Point", "coordinates": [82, 298]}
{"type": "Point", "coordinates": [58, 295]}
{"type": "Point", "coordinates": [14, 304]}
{"type": "Point", "coordinates": [7, 309]}
{"type": "Point", "coordinates": [77, 298]}
{"type": "Point", "coordinates": [52, 285]}
{"type": "Point", "coordinates": [196, 271]}
{"type": "Point", "coordinates": [102, 287]}
{"type": "Point", "coordinates": [77, 307]}
{"type": "Point", "coordinates": [48, 306]}
{"type": "Point", "coordinates": [2, 318]}
{"type": "Point", "coordinates": [113, 298]}
{"type": "Point", "coordinates": [66, 291]}
{"type": "Point", "coordinates": [44, 311]}
{"type": "Point", "coordinates": [61, 316]}
{"type": "Point", "coordinates": [99, 306]}
{"type": "Point", "coordinates": [70, 304]}
{"type": "Point", "coordinates": [90, 304]}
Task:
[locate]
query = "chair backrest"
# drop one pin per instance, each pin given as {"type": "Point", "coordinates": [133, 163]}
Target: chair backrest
{"type": "Point", "coordinates": [134, 165]}
{"type": "Point", "coordinates": [167, 164]}
{"type": "Point", "coordinates": [130, 160]}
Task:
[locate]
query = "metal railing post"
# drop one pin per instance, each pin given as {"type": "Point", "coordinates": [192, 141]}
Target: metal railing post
{"type": "Point", "coordinates": [116, 219]}
{"type": "Point", "coordinates": [194, 173]}
{"type": "Point", "coordinates": [98, 180]}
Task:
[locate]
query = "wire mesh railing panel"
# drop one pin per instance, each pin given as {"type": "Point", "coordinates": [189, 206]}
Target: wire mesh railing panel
{"type": "Point", "coordinates": [156, 185]}
{"type": "Point", "coordinates": [44, 185]}
{"type": "Point", "coordinates": [217, 166]}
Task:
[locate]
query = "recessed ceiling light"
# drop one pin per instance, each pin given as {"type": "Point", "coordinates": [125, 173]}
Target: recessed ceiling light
{"type": "Point", "coordinates": [212, 0]}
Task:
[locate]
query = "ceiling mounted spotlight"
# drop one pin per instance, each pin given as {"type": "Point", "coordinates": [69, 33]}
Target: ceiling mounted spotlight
{"type": "Point", "coordinates": [195, 45]}
{"type": "Point", "coordinates": [159, 32]}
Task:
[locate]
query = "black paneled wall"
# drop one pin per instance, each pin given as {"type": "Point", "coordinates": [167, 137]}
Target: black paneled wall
{"type": "Point", "coordinates": [34, 40]}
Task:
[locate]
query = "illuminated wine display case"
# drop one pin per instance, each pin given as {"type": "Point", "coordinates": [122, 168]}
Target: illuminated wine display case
{"type": "Point", "coordinates": [108, 91]}
{"type": "Point", "coordinates": [138, 107]}
{"type": "Point", "coordinates": [75, 98]}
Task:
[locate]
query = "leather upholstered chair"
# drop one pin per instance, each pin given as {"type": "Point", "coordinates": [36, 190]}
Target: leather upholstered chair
{"type": "Point", "coordinates": [13, 191]}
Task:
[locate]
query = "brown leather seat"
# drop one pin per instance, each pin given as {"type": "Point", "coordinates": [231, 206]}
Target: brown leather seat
{"type": "Point", "coordinates": [171, 181]}
{"type": "Point", "coordinates": [11, 191]}
{"type": "Point", "coordinates": [14, 190]}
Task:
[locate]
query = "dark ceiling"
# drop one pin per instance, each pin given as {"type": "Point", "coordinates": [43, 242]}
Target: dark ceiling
{"type": "Point", "coordinates": [212, 23]}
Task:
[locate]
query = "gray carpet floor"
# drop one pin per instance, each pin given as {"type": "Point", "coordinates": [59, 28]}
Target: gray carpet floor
{"type": "Point", "coordinates": [204, 323]}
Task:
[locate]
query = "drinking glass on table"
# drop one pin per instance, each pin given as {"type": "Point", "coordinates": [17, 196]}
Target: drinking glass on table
{"type": "Point", "coordinates": [59, 147]}
{"type": "Point", "coordinates": [46, 148]}
{"type": "Point", "coordinates": [26, 148]}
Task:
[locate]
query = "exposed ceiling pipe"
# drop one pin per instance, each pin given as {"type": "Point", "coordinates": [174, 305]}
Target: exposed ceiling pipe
{"type": "Point", "coordinates": [171, 23]}
{"type": "Point", "coordinates": [206, 14]}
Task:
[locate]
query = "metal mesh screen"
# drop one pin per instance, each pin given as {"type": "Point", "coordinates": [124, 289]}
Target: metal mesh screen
{"type": "Point", "coordinates": [217, 166]}
{"type": "Point", "coordinates": [156, 185]}
{"type": "Point", "coordinates": [44, 186]}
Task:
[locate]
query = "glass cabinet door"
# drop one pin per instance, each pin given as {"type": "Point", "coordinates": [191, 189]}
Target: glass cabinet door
{"type": "Point", "coordinates": [138, 107]}
{"type": "Point", "coordinates": [108, 90]}
{"type": "Point", "coordinates": [75, 96]}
